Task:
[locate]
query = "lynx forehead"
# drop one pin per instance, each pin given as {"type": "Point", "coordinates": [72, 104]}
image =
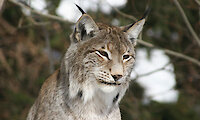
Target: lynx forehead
{"type": "Point", "coordinates": [93, 76]}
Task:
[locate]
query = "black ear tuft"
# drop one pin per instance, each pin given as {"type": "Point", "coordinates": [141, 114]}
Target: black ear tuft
{"type": "Point", "coordinates": [146, 13]}
{"type": "Point", "coordinates": [83, 12]}
{"type": "Point", "coordinates": [85, 27]}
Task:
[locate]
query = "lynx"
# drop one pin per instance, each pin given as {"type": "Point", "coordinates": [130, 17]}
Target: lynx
{"type": "Point", "coordinates": [94, 74]}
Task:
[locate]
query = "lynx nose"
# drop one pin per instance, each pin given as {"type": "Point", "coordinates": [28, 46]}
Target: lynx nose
{"type": "Point", "coordinates": [116, 77]}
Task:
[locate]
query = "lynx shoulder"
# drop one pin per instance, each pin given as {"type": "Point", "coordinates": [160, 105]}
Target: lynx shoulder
{"type": "Point", "coordinates": [93, 76]}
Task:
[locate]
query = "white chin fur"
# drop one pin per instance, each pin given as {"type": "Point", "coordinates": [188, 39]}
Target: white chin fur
{"type": "Point", "coordinates": [107, 88]}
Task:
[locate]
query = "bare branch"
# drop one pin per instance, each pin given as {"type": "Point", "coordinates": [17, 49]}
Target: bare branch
{"type": "Point", "coordinates": [170, 52]}
{"type": "Point", "coordinates": [187, 22]}
{"type": "Point", "coordinates": [151, 72]}
{"type": "Point", "coordinates": [53, 17]}
{"type": "Point", "coordinates": [198, 2]}
{"type": "Point", "coordinates": [123, 14]}
{"type": "Point", "coordinates": [1, 4]}
{"type": "Point", "coordinates": [154, 71]}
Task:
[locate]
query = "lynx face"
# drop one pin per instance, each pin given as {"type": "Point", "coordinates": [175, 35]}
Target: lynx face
{"type": "Point", "coordinates": [110, 59]}
{"type": "Point", "coordinates": [101, 56]}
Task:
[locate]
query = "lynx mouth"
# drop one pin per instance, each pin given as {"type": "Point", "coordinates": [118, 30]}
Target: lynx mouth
{"type": "Point", "coordinates": [109, 83]}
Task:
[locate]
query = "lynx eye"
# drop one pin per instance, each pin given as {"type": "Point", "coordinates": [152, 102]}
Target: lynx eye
{"type": "Point", "coordinates": [126, 57]}
{"type": "Point", "coordinates": [103, 53]}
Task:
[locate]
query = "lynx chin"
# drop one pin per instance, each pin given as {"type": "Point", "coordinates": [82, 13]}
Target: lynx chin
{"type": "Point", "coordinates": [93, 76]}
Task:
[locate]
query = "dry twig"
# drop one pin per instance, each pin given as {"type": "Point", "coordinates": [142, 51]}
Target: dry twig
{"type": "Point", "coordinates": [53, 17]}
{"type": "Point", "coordinates": [1, 4]}
{"type": "Point", "coordinates": [124, 14]}
{"type": "Point", "coordinates": [154, 71]}
{"type": "Point", "coordinates": [170, 52]}
{"type": "Point", "coordinates": [198, 2]}
{"type": "Point", "coordinates": [187, 21]}
{"type": "Point", "coordinates": [151, 72]}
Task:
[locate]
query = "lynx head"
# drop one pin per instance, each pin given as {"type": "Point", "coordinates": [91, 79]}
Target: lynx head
{"type": "Point", "coordinates": [100, 56]}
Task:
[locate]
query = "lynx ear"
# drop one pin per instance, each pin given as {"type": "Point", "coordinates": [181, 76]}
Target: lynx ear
{"type": "Point", "coordinates": [134, 30]}
{"type": "Point", "coordinates": [85, 27]}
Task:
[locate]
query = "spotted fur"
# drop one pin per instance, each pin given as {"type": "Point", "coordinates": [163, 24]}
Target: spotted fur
{"type": "Point", "coordinates": [93, 76]}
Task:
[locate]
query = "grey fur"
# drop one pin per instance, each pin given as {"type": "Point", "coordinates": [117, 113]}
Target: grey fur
{"type": "Point", "coordinates": [83, 87]}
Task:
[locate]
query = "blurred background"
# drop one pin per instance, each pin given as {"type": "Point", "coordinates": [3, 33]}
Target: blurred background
{"type": "Point", "coordinates": [34, 35]}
